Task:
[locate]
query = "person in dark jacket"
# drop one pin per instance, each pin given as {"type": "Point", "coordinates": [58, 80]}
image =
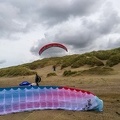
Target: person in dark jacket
{"type": "Point", "coordinates": [54, 67]}
{"type": "Point", "coordinates": [37, 79]}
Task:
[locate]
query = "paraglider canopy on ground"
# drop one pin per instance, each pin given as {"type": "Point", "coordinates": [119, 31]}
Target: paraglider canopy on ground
{"type": "Point", "coordinates": [18, 99]}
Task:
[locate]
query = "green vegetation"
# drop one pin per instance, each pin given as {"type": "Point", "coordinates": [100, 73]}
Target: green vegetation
{"type": "Point", "coordinates": [104, 54]}
{"type": "Point", "coordinates": [51, 74]}
{"type": "Point", "coordinates": [69, 73]}
{"type": "Point", "coordinates": [16, 71]}
{"type": "Point", "coordinates": [39, 63]}
{"type": "Point", "coordinates": [93, 59]}
{"type": "Point", "coordinates": [113, 60]}
{"type": "Point", "coordinates": [92, 71]}
{"type": "Point", "coordinates": [82, 60]}
{"type": "Point", "coordinates": [68, 61]}
{"type": "Point", "coordinates": [98, 71]}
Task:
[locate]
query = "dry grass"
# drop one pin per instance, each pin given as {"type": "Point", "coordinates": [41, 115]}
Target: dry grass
{"type": "Point", "coordinates": [106, 87]}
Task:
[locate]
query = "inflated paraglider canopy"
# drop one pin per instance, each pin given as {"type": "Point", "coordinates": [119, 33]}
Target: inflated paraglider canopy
{"type": "Point", "coordinates": [45, 47]}
{"type": "Point", "coordinates": [18, 99]}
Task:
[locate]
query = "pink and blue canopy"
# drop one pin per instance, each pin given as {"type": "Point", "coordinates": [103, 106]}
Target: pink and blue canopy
{"type": "Point", "coordinates": [18, 99]}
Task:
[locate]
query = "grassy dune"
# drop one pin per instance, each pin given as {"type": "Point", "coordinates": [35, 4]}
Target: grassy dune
{"type": "Point", "coordinates": [92, 59]}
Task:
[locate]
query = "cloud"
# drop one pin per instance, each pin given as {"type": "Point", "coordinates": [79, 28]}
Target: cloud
{"type": "Point", "coordinates": [54, 12]}
{"type": "Point", "coordinates": [83, 33]}
{"type": "Point", "coordinates": [15, 18]}
{"type": "Point", "coordinates": [2, 61]}
{"type": "Point", "coordinates": [113, 43]}
{"type": "Point", "coordinates": [109, 20]}
{"type": "Point", "coordinates": [21, 16]}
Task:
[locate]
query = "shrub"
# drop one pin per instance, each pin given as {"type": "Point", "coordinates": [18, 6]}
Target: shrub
{"type": "Point", "coordinates": [85, 60]}
{"type": "Point", "coordinates": [51, 74]}
{"type": "Point", "coordinates": [93, 61]}
{"type": "Point", "coordinates": [16, 71]}
{"type": "Point", "coordinates": [67, 61]}
{"type": "Point", "coordinates": [105, 54]}
{"type": "Point", "coordinates": [102, 55]}
{"type": "Point", "coordinates": [113, 60]}
{"type": "Point", "coordinates": [98, 71]}
{"type": "Point", "coordinates": [69, 73]}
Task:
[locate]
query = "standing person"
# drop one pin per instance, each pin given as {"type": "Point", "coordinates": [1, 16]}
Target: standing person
{"type": "Point", "coordinates": [54, 68]}
{"type": "Point", "coordinates": [37, 79]}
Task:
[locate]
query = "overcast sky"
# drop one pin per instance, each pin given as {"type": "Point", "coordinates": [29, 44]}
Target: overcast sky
{"type": "Point", "coordinates": [81, 25]}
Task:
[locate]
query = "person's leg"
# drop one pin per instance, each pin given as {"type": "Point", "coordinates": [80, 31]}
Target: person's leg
{"type": "Point", "coordinates": [37, 84]}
